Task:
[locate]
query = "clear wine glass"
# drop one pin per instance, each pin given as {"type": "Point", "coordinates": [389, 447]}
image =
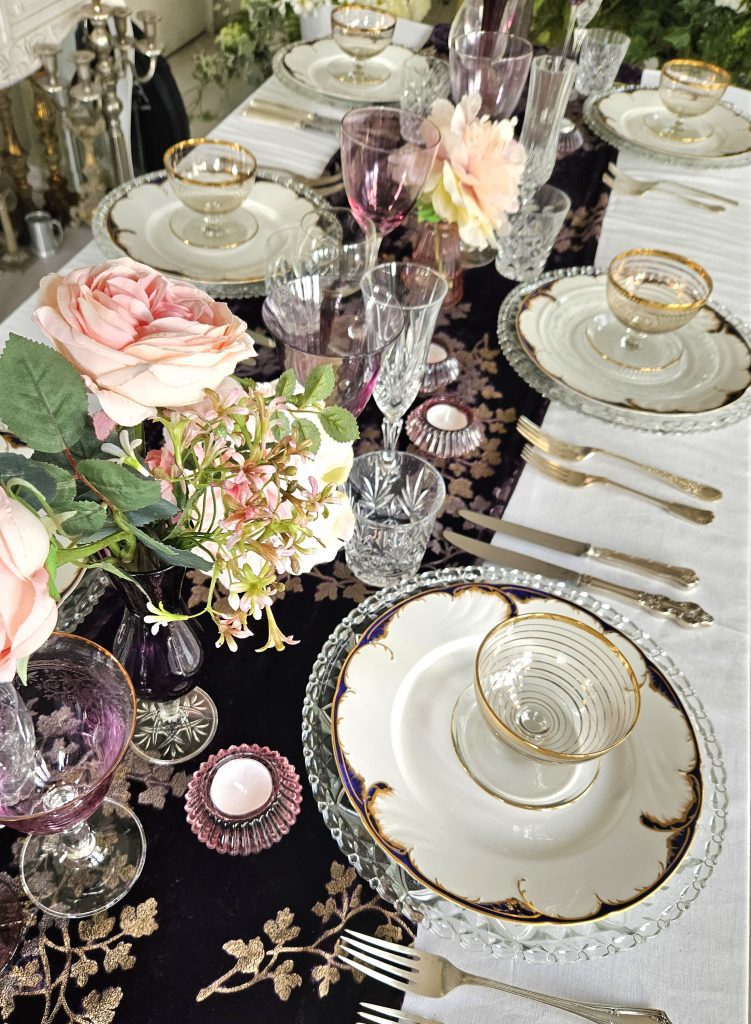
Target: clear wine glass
{"type": "Point", "coordinates": [688, 88]}
{"type": "Point", "coordinates": [492, 64]}
{"type": "Point", "coordinates": [387, 155]}
{"type": "Point", "coordinates": [651, 294]}
{"type": "Point", "coordinates": [211, 178]}
{"type": "Point", "coordinates": [551, 697]}
{"type": "Point", "coordinates": [313, 326]}
{"type": "Point", "coordinates": [83, 852]}
{"type": "Point", "coordinates": [419, 291]}
{"type": "Point", "coordinates": [581, 12]}
{"type": "Point", "coordinates": [362, 32]}
{"type": "Point", "coordinates": [354, 245]}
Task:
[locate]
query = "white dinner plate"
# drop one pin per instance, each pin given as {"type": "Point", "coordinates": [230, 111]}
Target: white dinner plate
{"type": "Point", "coordinates": [134, 220]}
{"type": "Point", "coordinates": [543, 328]}
{"type": "Point", "coordinates": [306, 68]}
{"type": "Point", "coordinates": [619, 118]}
{"type": "Point", "coordinates": [391, 735]}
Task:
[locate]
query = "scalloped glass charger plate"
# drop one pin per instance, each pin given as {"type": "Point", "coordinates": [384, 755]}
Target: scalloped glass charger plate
{"type": "Point", "coordinates": [512, 880]}
{"type": "Point", "coordinates": [134, 220]}
{"type": "Point", "coordinates": [306, 68]}
{"type": "Point", "coordinates": [619, 117]}
{"type": "Point", "coordinates": [545, 330]}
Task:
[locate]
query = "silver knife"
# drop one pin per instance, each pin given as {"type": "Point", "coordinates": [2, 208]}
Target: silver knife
{"type": "Point", "coordinates": [277, 113]}
{"type": "Point", "coordinates": [686, 612]}
{"type": "Point", "coordinates": [679, 574]}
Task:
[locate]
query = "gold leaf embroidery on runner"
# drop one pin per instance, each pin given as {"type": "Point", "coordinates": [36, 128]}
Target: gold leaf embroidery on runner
{"type": "Point", "coordinates": [61, 961]}
{"type": "Point", "coordinates": [281, 960]}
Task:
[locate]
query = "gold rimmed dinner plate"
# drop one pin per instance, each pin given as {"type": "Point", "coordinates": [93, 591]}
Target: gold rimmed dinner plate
{"type": "Point", "coordinates": [134, 220]}
{"type": "Point", "coordinates": [391, 737]}
{"type": "Point", "coordinates": [620, 118]}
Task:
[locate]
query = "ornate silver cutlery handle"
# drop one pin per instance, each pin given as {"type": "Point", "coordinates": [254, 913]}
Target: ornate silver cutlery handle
{"type": "Point", "coordinates": [679, 574]}
{"type": "Point", "coordinates": [686, 612]}
{"type": "Point", "coordinates": [682, 483]}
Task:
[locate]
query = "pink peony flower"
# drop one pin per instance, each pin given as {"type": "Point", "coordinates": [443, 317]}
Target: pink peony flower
{"type": "Point", "coordinates": [139, 340]}
{"type": "Point", "coordinates": [476, 178]}
{"type": "Point", "coordinates": [27, 612]}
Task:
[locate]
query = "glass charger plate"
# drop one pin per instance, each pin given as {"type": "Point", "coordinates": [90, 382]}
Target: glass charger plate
{"type": "Point", "coordinates": [618, 118]}
{"type": "Point", "coordinates": [535, 943]}
{"type": "Point", "coordinates": [304, 67]}
{"type": "Point", "coordinates": [562, 378]}
{"type": "Point", "coordinates": [133, 220]}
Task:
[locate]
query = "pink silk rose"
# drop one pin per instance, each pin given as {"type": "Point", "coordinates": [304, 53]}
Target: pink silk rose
{"type": "Point", "coordinates": [27, 612]}
{"type": "Point", "coordinates": [139, 340]}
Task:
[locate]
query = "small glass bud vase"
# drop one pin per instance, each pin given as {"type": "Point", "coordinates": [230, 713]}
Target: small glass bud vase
{"type": "Point", "coordinates": [438, 247]}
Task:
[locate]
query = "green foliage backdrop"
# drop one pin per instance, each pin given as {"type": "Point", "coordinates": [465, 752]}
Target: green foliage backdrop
{"type": "Point", "coordinates": [666, 28]}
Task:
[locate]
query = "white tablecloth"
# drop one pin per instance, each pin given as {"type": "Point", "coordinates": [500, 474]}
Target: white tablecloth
{"type": "Point", "coordinates": [697, 971]}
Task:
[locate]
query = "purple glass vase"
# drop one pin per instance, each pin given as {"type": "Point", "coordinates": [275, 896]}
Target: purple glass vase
{"type": "Point", "coordinates": [176, 718]}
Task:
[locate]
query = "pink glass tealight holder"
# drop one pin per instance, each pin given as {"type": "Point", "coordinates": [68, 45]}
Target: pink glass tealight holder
{"type": "Point", "coordinates": [444, 427]}
{"type": "Point", "coordinates": [441, 368]}
{"type": "Point", "coordinates": [243, 800]}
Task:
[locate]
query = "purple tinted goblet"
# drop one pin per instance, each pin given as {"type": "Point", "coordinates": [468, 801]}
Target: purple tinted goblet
{"type": "Point", "coordinates": [313, 326]}
{"type": "Point", "coordinates": [84, 852]}
{"type": "Point", "coordinates": [387, 155]}
{"type": "Point", "coordinates": [492, 64]}
{"type": "Point", "coordinates": [176, 718]}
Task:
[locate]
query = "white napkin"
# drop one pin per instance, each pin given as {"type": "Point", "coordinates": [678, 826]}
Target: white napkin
{"type": "Point", "coordinates": [303, 150]}
{"type": "Point", "coordinates": [697, 971]}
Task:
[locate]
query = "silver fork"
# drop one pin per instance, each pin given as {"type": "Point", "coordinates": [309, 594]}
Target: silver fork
{"type": "Point", "coordinates": [632, 187]}
{"type": "Point", "coordinates": [578, 452]}
{"type": "Point", "coordinates": [678, 186]}
{"type": "Point", "coordinates": [387, 1015]}
{"type": "Point", "coordinates": [425, 974]}
{"type": "Point", "coordinates": [573, 478]}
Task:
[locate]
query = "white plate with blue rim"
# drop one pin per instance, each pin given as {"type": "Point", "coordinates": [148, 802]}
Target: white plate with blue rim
{"type": "Point", "coordinates": [589, 859]}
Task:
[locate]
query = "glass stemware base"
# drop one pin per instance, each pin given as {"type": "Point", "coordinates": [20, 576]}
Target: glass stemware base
{"type": "Point", "coordinates": [513, 777]}
{"type": "Point", "coordinates": [86, 869]}
{"type": "Point", "coordinates": [358, 73]}
{"type": "Point", "coordinates": [668, 126]}
{"type": "Point", "coordinates": [634, 350]}
{"type": "Point", "coordinates": [221, 232]}
{"type": "Point", "coordinates": [170, 732]}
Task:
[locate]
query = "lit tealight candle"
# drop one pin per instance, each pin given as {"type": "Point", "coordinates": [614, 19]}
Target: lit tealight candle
{"type": "Point", "coordinates": [446, 416]}
{"type": "Point", "coordinates": [436, 354]}
{"type": "Point", "coordinates": [240, 787]}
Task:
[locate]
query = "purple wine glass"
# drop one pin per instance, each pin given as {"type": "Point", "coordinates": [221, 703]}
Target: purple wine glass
{"type": "Point", "coordinates": [313, 326]}
{"type": "Point", "coordinates": [493, 64]}
{"type": "Point", "coordinates": [387, 155]}
{"type": "Point", "coordinates": [83, 852]}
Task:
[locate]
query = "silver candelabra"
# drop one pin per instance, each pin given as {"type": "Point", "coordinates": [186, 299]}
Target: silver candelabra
{"type": "Point", "coordinates": [90, 104]}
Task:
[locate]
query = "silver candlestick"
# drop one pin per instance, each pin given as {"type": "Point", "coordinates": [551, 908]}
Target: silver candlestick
{"type": "Point", "coordinates": [107, 63]}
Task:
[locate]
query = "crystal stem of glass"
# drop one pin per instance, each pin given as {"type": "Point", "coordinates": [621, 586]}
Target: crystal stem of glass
{"type": "Point", "coordinates": [419, 291]}
{"type": "Point", "coordinates": [83, 852]}
{"type": "Point", "coordinates": [550, 82]}
{"type": "Point", "coordinates": [635, 350]}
